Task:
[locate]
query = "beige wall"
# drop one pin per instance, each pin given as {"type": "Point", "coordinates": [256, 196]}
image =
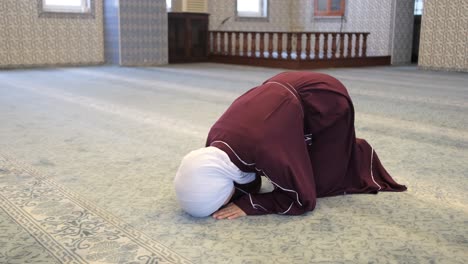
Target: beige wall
{"type": "Point", "coordinates": [279, 19]}
{"type": "Point", "coordinates": [375, 16]}
{"type": "Point", "coordinates": [29, 40]}
{"type": "Point", "coordinates": [444, 35]}
{"type": "Point", "coordinates": [361, 15]}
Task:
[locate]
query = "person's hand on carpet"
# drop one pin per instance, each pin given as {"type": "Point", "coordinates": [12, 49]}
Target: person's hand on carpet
{"type": "Point", "coordinates": [231, 211]}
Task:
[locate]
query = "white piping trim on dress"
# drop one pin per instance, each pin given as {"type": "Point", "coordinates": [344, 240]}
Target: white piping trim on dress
{"type": "Point", "coordinates": [254, 205]}
{"type": "Point", "coordinates": [371, 172]}
{"type": "Point", "coordinates": [260, 170]}
{"type": "Point", "coordinates": [289, 90]}
{"type": "Point", "coordinates": [284, 189]}
{"type": "Point", "coordinates": [245, 163]}
{"type": "Point", "coordinates": [297, 93]}
{"type": "Point", "coordinates": [288, 209]}
{"type": "Point", "coordinates": [290, 86]}
{"type": "Point", "coordinates": [282, 85]}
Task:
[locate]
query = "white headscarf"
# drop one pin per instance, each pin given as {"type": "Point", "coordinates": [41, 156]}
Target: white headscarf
{"type": "Point", "coordinates": [204, 180]}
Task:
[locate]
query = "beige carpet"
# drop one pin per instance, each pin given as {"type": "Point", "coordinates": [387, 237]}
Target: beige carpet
{"type": "Point", "coordinates": [87, 158]}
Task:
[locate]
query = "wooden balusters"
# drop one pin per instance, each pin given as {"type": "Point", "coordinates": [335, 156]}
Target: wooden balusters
{"type": "Point", "coordinates": [316, 45]}
{"type": "Point", "coordinates": [298, 46]}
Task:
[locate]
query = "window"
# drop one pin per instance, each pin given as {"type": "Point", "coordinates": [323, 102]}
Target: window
{"type": "Point", "coordinates": [329, 8]}
{"type": "Point", "coordinates": [168, 5]}
{"type": "Point", "coordinates": [66, 6]}
{"type": "Point", "coordinates": [252, 8]}
{"type": "Point", "coordinates": [418, 7]}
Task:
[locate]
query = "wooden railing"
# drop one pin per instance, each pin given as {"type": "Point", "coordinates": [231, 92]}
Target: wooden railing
{"type": "Point", "coordinates": [302, 46]}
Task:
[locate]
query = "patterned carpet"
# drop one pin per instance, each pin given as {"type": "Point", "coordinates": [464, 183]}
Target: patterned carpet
{"type": "Point", "coordinates": [66, 227]}
{"type": "Point", "coordinates": [87, 158]}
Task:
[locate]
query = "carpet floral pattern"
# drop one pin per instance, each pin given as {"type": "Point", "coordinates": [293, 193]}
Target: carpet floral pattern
{"type": "Point", "coordinates": [88, 156]}
{"type": "Point", "coordinates": [71, 229]}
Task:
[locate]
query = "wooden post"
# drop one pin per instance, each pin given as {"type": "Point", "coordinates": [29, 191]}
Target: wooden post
{"type": "Point", "coordinates": [308, 46]}
{"type": "Point", "coordinates": [317, 46]}
{"type": "Point", "coordinates": [350, 45]}
{"type": "Point", "coordinates": [289, 45]}
{"type": "Point", "coordinates": [262, 45]}
{"type": "Point", "coordinates": [280, 45]}
{"type": "Point", "coordinates": [270, 44]}
{"type": "Point", "coordinates": [364, 45]}
{"type": "Point", "coordinates": [356, 45]}
{"type": "Point", "coordinates": [325, 46]}
{"type": "Point", "coordinates": [223, 52]}
{"type": "Point", "coordinates": [333, 55]}
{"type": "Point", "coordinates": [245, 44]}
{"type": "Point", "coordinates": [215, 42]}
{"type": "Point", "coordinates": [229, 52]}
{"type": "Point", "coordinates": [210, 37]}
{"type": "Point", "coordinates": [299, 46]}
{"type": "Point", "coordinates": [253, 51]}
{"type": "Point", "coordinates": [237, 44]}
{"type": "Point", "coordinates": [342, 45]}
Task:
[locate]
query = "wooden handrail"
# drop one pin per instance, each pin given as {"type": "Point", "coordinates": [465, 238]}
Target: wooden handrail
{"type": "Point", "coordinates": [318, 45]}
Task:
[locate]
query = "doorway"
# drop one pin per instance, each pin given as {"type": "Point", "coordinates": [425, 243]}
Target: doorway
{"type": "Point", "coordinates": [418, 9]}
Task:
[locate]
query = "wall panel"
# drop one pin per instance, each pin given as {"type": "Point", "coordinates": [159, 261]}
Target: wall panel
{"type": "Point", "coordinates": [30, 40]}
{"type": "Point", "coordinates": [444, 35]}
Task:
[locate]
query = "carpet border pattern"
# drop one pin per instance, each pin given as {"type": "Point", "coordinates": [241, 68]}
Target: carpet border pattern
{"type": "Point", "coordinates": [71, 228]}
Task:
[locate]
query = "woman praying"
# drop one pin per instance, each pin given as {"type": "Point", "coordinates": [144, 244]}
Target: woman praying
{"type": "Point", "coordinates": [296, 130]}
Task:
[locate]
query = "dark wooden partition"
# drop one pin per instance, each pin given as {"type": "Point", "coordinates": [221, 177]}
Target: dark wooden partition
{"type": "Point", "coordinates": [293, 50]}
{"type": "Point", "coordinates": [188, 37]}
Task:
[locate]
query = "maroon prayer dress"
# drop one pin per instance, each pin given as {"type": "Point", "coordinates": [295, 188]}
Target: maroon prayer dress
{"type": "Point", "coordinates": [297, 130]}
